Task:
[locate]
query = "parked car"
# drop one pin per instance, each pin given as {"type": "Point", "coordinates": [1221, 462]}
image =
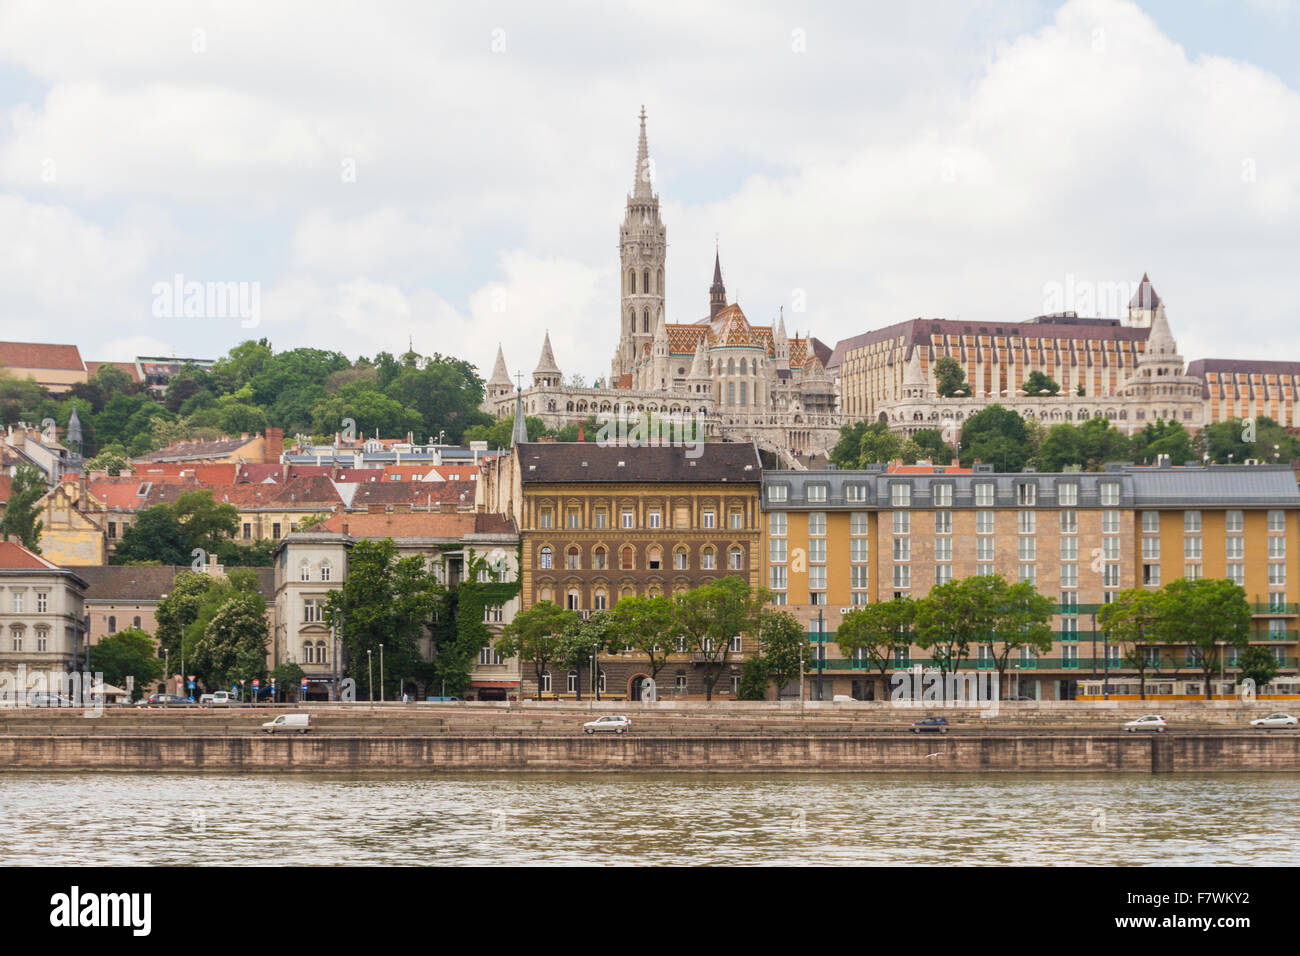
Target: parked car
{"type": "Point", "coordinates": [219, 698]}
{"type": "Point", "coordinates": [164, 700]}
{"type": "Point", "coordinates": [620, 725]}
{"type": "Point", "coordinates": [1275, 720]}
{"type": "Point", "coordinates": [299, 722]}
{"type": "Point", "coordinates": [931, 725]}
{"type": "Point", "coordinates": [1148, 722]}
{"type": "Point", "coordinates": [842, 699]}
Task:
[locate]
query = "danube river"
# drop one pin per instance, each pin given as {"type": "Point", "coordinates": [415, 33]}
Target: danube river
{"type": "Point", "coordinates": [629, 819]}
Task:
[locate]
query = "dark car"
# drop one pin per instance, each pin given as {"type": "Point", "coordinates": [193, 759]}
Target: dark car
{"type": "Point", "coordinates": [930, 725]}
{"type": "Point", "coordinates": [165, 700]}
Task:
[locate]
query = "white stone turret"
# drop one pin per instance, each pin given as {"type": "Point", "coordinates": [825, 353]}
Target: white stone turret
{"type": "Point", "coordinates": [547, 372]}
{"type": "Point", "coordinates": [499, 385]}
{"type": "Point", "coordinates": [781, 344]}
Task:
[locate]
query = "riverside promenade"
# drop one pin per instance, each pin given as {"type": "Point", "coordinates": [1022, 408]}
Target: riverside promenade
{"type": "Point", "coordinates": [1203, 736]}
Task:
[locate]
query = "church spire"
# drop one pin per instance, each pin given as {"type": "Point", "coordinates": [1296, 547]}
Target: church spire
{"type": "Point", "coordinates": [641, 183]}
{"type": "Point", "coordinates": [717, 291]}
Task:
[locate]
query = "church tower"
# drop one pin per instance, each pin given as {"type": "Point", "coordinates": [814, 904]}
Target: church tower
{"type": "Point", "coordinates": [717, 291]}
{"type": "Point", "coordinates": [1142, 307]}
{"type": "Point", "coordinates": [643, 248]}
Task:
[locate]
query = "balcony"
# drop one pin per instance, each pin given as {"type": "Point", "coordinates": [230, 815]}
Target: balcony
{"type": "Point", "coordinates": [1269, 607]}
{"type": "Point", "coordinates": [1287, 635]}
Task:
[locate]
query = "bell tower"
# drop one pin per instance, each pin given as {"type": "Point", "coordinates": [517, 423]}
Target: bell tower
{"type": "Point", "coordinates": [643, 247]}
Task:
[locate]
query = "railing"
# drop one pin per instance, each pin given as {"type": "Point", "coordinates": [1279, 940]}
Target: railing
{"type": "Point", "coordinates": [1269, 607]}
{"type": "Point", "coordinates": [1287, 635]}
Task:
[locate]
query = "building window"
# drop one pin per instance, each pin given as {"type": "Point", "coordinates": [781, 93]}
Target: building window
{"type": "Point", "coordinates": [943, 549]}
{"type": "Point", "coordinates": [304, 571]}
{"type": "Point", "coordinates": [1276, 520]}
{"type": "Point", "coordinates": [487, 656]}
{"type": "Point", "coordinates": [1029, 572]}
{"type": "Point", "coordinates": [706, 518]}
{"type": "Point", "coordinates": [736, 559]}
{"type": "Point", "coordinates": [1150, 522]}
{"type": "Point", "coordinates": [492, 614]}
{"type": "Point", "coordinates": [600, 601]}
{"type": "Point", "coordinates": [598, 559]}
{"type": "Point", "coordinates": [817, 523]}
{"type": "Point", "coordinates": [627, 559]}
{"type": "Point", "coordinates": [778, 492]}
{"type": "Point", "coordinates": [1110, 522]}
{"type": "Point", "coordinates": [707, 559]}
{"type": "Point", "coordinates": [18, 602]}
{"type": "Point", "coordinates": [572, 559]}
{"type": "Point", "coordinates": [943, 496]}
{"type": "Point", "coordinates": [545, 558]}
{"type": "Point", "coordinates": [858, 578]}
{"type": "Point", "coordinates": [573, 600]}
{"type": "Point", "coordinates": [654, 558]}
{"type": "Point", "coordinates": [902, 522]}
{"type": "Point", "coordinates": [1237, 573]}
{"type": "Point", "coordinates": [1151, 575]}
{"type": "Point", "coordinates": [902, 549]}
{"type": "Point", "coordinates": [1069, 522]}
{"type": "Point", "coordinates": [1276, 573]}
{"type": "Point", "coordinates": [1151, 549]}
{"type": "Point", "coordinates": [545, 687]}
{"type": "Point", "coordinates": [1069, 549]}
{"type": "Point", "coordinates": [312, 609]}
{"type": "Point", "coordinates": [43, 602]}
{"type": "Point", "coordinates": [984, 494]}
{"type": "Point", "coordinates": [1110, 576]}
{"type": "Point", "coordinates": [777, 523]}
{"type": "Point", "coordinates": [42, 640]}
{"type": "Point", "coordinates": [984, 522]}
{"type": "Point", "coordinates": [1191, 521]}
{"type": "Point", "coordinates": [601, 519]}
{"type": "Point", "coordinates": [653, 518]}
{"type": "Point", "coordinates": [737, 520]}
{"type": "Point", "coordinates": [902, 576]}
{"type": "Point", "coordinates": [1109, 494]}
{"type": "Point", "coordinates": [855, 492]}
{"type": "Point", "coordinates": [628, 519]}
{"type": "Point", "coordinates": [112, 623]}
{"type": "Point", "coordinates": [1192, 572]}
{"type": "Point", "coordinates": [1235, 546]}
{"type": "Point", "coordinates": [1067, 495]}
{"type": "Point", "coordinates": [1027, 494]}
{"type": "Point", "coordinates": [817, 550]}
{"type": "Point", "coordinates": [1233, 521]}
{"type": "Point", "coordinates": [815, 493]}
{"type": "Point", "coordinates": [942, 573]}
{"type": "Point", "coordinates": [858, 523]}
{"type": "Point", "coordinates": [1026, 522]}
{"type": "Point", "coordinates": [248, 530]}
{"type": "Point", "coordinates": [544, 518]}
{"type": "Point", "coordinates": [858, 549]}
{"type": "Point", "coordinates": [275, 531]}
{"type": "Point", "coordinates": [777, 577]}
{"type": "Point", "coordinates": [900, 495]}
{"type": "Point", "coordinates": [680, 560]}
{"type": "Point", "coordinates": [1192, 546]}
{"type": "Point", "coordinates": [1028, 550]}
{"type": "Point", "coordinates": [984, 549]}
{"type": "Point", "coordinates": [1069, 575]}
{"type": "Point", "coordinates": [1110, 549]}
{"type": "Point", "coordinates": [943, 522]}
{"type": "Point", "coordinates": [325, 571]}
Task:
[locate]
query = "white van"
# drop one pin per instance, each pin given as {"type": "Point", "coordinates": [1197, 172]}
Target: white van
{"type": "Point", "coordinates": [298, 722]}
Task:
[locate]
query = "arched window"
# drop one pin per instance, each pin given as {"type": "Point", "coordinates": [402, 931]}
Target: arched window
{"type": "Point", "coordinates": [645, 281]}
{"type": "Point", "coordinates": [545, 559]}
{"type": "Point", "coordinates": [598, 559]}
{"type": "Point", "coordinates": [135, 623]}
{"type": "Point", "coordinates": [626, 559]}
{"type": "Point", "coordinates": [600, 681]}
{"type": "Point", "coordinates": [325, 570]}
{"type": "Point", "coordinates": [112, 624]}
{"type": "Point", "coordinates": [681, 560]}
{"type": "Point", "coordinates": [659, 286]}
{"type": "Point", "coordinates": [600, 601]}
{"type": "Point", "coordinates": [572, 559]}
{"type": "Point", "coordinates": [708, 559]}
{"type": "Point", "coordinates": [654, 558]}
{"type": "Point", "coordinates": [308, 653]}
{"type": "Point", "coordinates": [320, 652]}
{"type": "Point", "coordinates": [742, 367]}
{"type": "Point", "coordinates": [645, 320]}
{"type": "Point", "coordinates": [731, 393]}
{"type": "Point", "coordinates": [571, 683]}
{"type": "Point", "coordinates": [574, 600]}
{"type": "Point", "coordinates": [743, 390]}
{"type": "Point", "coordinates": [631, 281]}
{"type": "Point", "coordinates": [731, 366]}
{"type": "Point", "coordinates": [304, 571]}
{"type": "Point", "coordinates": [735, 559]}
{"type": "Point", "coordinates": [545, 687]}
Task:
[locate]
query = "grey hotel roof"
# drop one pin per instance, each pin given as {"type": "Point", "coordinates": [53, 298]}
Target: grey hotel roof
{"type": "Point", "coordinates": [1242, 486]}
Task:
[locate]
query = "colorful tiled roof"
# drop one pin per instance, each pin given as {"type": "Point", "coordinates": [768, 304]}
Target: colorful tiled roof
{"type": "Point", "coordinates": [39, 355]}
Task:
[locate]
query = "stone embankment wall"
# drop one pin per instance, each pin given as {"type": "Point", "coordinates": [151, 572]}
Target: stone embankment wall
{"type": "Point", "coordinates": [1056, 752]}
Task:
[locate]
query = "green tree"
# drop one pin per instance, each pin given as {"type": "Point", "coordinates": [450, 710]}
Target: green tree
{"type": "Point", "coordinates": [534, 636]}
{"type": "Point", "coordinates": [754, 678]}
{"type": "Point", "coordinates": [386, 600]}
{"type": "Point", "coordinates": [955, 616]}
{"type": "Point", "coordinates": [644, 624]}
{"type": "Point", "coordinates": [1163, 438]}
{"type": "Point", "coordinates": [932, 446]}
{"type": "Point", "coordinates": [110, 462]}
{"type": "Point", "coordinates": [287, 674]}
{"type": "Point", "coordinates": [1040, 383]}
{"type": "Point", "coordinates": [1208, 615]}
{"type": "Point", "coordinates": [582, 641]}
{"type": "Point", "coordinates": [128, 653]}
{"type": "Point", "coordinates": [1131, 621]}
{"type": "Point", "coordinates": [873, 631]}
{"type": "Point", "coordinates": [783, 646]}
{"type": "Point", "coordinates": [232, 646]}
{"type": "Point", "coordinates": [710, 615]}
{"type": "Point", "coordinates": [26, 489]}
{"type": "Point", "coordinates": [1020, 617]}
{"type": "Point", "coordinates": [878, 445]}
{"type": "Point", "coordinates": [179, 608]}
{"type": "Point", "coordinates": [1258, 664]}
{"type": "Point", "coordinates": [950, 378]}
{"type": "Point", "coordinates": [847, 452]}
{"type": "Point", "coordinates": [157, 536]}
{"type": "Point", "coordinates": [998, 436]}
{"type": "Point", "coordinates": [206, 523]}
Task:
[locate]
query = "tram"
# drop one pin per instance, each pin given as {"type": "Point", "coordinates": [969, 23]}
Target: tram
{"type": "Point", "coordinates": [1167, 688]}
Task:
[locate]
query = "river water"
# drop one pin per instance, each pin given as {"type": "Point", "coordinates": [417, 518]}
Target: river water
{"type": "Point", "coordinates": [631, 819]}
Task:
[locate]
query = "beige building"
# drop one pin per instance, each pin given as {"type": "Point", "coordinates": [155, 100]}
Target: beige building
{"type": "Point", "coordinates": [41, 621]}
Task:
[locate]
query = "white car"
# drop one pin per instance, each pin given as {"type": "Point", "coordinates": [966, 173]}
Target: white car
{"type": "Point", "coordinates": [1149, 722]}
{"type": "Point", "coordinates": [619, 725]}
{"type": "Point", "coordinates": [1275, 720]}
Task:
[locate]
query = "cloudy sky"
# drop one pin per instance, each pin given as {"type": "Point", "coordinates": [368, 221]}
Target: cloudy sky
{"type": "Point", "coordinates": [454, 174]}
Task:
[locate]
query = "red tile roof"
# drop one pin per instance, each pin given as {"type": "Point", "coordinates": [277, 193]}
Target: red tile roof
{"type": "Point", "coordinates": [128, 367]}
{"type": "Point", "coordinates": [39, 355]}
{"type": "Point", "coordinates": [14, 557]}
{"type": "Point", "coordinates": [418, 524]}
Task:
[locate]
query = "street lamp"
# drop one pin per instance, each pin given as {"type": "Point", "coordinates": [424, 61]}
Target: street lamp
{"type": "Point", "coordinates": [821, 649]}
{"type": "Point", "coordinates": [381, 674]}
{"type": "Point", "coordinates": [370, 673]}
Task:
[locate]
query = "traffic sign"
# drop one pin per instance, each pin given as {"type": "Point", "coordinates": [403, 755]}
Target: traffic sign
{"type": "Point", "coordinates": [256, 682]}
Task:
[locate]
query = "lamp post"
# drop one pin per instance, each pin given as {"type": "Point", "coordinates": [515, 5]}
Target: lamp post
{"type": "Point", "coordinates": [1105, 661]}
{"type": "Point", "coordinates": [338, 646]}
{"type": "Point", "coordinates": [381, 673]}
{"type": "Point", "coordinates": [1094, 645]}
{"type": "Point", "coordinates": [821, 643]}
{"type": "Point", "coordinates": [370, 673]}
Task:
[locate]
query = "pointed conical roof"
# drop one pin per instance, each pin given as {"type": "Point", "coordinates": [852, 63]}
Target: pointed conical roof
{"type": "Point", "coordinates": [74, 426]}
{"type": "Point", "coordinates": [717, 273]}
{"type": "Point", "coordinates": [1160, 341]}
{"type": "Point", "coordinates": [500, 376]}
{"type": "Point", "coordinates": [912, 374]}
{"type": "Point", "coordinates": [546, 363]}
{"type": "Point", "coordinates": [641, 183]}
{"type": "Point", "coordinates": [780, 325]}
{"type": "Point", "coordinates": [661, 329]}
{"type": "Point", "coordinates": [1145, 297]}
{"type": "Point", "coordinates": [699, 365]}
